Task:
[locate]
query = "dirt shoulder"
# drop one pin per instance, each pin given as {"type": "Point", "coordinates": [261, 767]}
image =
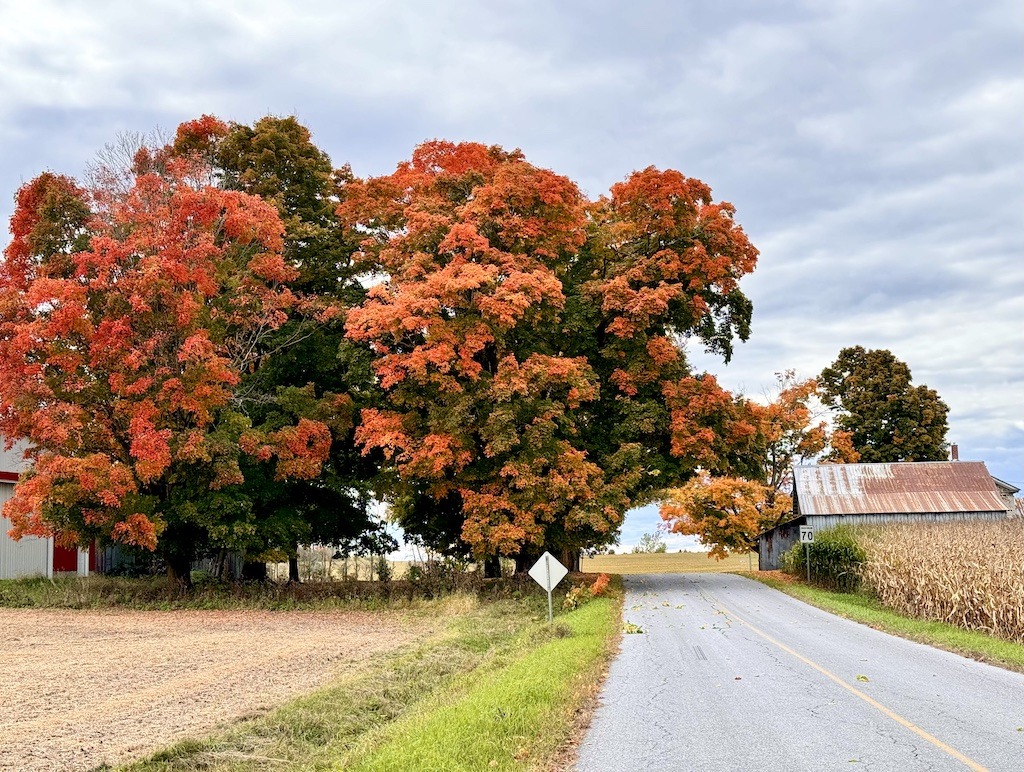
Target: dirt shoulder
{"type": "Point", "coordinates": [83, 688]}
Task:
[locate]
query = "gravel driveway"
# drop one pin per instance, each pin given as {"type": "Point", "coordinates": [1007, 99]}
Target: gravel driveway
{"type": "Point", "coordinates": [81, 688]}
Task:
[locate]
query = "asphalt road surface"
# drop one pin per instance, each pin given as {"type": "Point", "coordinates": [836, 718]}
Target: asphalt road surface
{"type": "Point", "coordinates": [729, 674]}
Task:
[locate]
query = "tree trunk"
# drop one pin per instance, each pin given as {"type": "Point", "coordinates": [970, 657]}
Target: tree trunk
{"type": "Point", "coordinates": [570, 558]}
{"type": "Point", "coordinates": [222, 566]}
{"type": "Point", "coordinates": [293, 569]}
{"type": "Point", "coordinates": [179, 572]}
{"type": "Point", "coordinates": [492, 567]}
{"type": "Point", "coordinates": [526, 559]}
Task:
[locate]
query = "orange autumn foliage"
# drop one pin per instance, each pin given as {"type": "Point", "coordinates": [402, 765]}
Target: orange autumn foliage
{"type": "Point", "coordinates": [725, 512]}
{"type": "Point", "coordinates": [728, 512]}
{"type": "Point", "coordinates": [126, 321]}
{"type": "Point", "coordinates": [526, 339]}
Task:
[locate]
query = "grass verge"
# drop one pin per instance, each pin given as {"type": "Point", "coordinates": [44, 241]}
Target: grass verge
{"type": "Point", "coordinates": [869, 611]}
{"type": "Point", "coordinates": [500, 689]}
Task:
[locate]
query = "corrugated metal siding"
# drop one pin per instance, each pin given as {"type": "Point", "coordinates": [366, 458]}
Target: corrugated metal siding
{"type": "Point", "coordinates": [773, 544]}
{"type": "Point", "coordinates": [912, 487]}
{"type": "Point", "coordinates": [31, 556]}
{"type": "Point", "coordinates": [821, 522]}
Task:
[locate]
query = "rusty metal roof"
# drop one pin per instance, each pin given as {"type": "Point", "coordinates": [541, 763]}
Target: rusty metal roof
{"type": "Point", "coordinates": [907, 487]}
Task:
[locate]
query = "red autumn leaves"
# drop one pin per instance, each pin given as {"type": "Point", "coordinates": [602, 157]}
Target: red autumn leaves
{"type": "Point", "coordinates": [477, 252]}
{"type": "Point", "coordinates": [127, 320]}
{"type": "Point", "coordinates": [510, 320]}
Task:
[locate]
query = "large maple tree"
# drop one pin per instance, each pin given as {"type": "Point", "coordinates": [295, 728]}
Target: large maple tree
{"type": "Point", "coordinates": [306, 368]}
{"type": "Point", "coordinates": [887, 417]}
{"type": "Point", "coordinates": [128, 317]}
{"type": "Point", "coordinates": [529, 344]}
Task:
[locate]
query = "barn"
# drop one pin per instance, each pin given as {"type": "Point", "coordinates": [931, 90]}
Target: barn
{"type": "Point", "coordinates": [33, 556]}
{"type": "Point", "coordinates": [826, 495]}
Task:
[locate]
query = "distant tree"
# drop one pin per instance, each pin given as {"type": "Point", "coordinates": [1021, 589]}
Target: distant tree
{"type": "Point", "coordinates": [728, 512]}
{"type": "Point", "coordinates": [887, 418]}
{"type": "Point", "coordinates": [650, 543]}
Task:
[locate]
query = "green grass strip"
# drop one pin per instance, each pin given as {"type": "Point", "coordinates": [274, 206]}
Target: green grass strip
{"type": "Point", "coordinates": [869, 611]}
{"type": "Point", "coordinates": [511, 718]}
{"type": "Point", "coordinates": [500, 683]}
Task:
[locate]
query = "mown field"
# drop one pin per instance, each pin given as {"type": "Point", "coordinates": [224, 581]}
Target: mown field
{"type": "Point", "coordinates": [667, 563]}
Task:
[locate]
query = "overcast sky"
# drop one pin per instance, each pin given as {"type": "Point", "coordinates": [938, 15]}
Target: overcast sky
{"type": "Point", "coordinates": [874, 149]}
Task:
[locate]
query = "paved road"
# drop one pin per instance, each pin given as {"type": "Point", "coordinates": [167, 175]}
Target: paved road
{"type": "Point", "coordinates": [731, 675]}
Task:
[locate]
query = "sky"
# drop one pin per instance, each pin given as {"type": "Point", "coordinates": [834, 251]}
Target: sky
{"type": "Point", "coordinates": [874, 150]}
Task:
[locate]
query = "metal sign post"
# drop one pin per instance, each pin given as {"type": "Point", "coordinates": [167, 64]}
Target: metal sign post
{"type": "Point", "coordinates": [807, 539]}
{"type": "Point", "coordinates": [548, 572]}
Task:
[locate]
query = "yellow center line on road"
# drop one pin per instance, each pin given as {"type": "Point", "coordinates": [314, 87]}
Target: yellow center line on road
{"type": "Point", "coordinates": [971, 764]}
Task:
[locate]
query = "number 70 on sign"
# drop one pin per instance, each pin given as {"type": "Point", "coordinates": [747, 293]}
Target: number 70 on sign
{"type": "Point", "coordinates": [806, 534]}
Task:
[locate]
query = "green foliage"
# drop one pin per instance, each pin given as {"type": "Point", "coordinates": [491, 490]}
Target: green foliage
{"type": "Point", "coordinates": [835, 556]}
{"type": "Point", "coordinates": [650, 543]}
{"type": "Point", "coordinates": [307, 368]}
{"type": "Point", "coordinates": [888, 419]}
{"type": "Point", "coordinates": [793, 560]}
{"type": "Point", "coordinates": [383, 569]}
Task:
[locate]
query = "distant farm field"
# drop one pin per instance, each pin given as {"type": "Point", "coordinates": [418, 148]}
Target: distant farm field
{"type": "Point", "coordinates": [667, 563]}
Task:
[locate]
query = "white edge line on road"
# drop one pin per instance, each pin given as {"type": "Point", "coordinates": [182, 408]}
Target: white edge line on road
{"type": "Point", "coordinates": [971, 764]}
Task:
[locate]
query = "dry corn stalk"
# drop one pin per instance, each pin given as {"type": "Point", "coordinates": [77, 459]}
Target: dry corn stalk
{"type": "Point", "coordinates": [970, 574]}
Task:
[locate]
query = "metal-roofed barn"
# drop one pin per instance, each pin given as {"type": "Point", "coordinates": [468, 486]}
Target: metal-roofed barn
{"type": "Point", "coordinates": [826, 495]}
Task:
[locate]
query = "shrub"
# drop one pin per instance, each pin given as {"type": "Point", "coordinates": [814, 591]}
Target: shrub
{"type": "Point", "coordinates": [579, 594]}
{"type": "Point", "coordinates": [836, 556]}
{"type": "Point", "coordinates": [385, 571]}
{"type": "Point", "coordinates": [575, 597]}
{"type": "Point", "coordinates": [434, 578]}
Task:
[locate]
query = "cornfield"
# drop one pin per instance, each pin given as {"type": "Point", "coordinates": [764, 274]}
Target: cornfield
{"type": "Point", "coordinates": [967, 574]}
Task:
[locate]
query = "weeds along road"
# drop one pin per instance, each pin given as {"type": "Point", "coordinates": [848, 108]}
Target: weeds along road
{"type": "Point", "coordinates": [729, 674]}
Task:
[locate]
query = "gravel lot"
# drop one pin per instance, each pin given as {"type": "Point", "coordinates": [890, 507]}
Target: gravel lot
{"type": "Point", "coordinates": [82, 688]}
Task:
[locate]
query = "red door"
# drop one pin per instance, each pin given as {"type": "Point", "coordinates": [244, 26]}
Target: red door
{"type": "Point", "coordinates": [64, 559]}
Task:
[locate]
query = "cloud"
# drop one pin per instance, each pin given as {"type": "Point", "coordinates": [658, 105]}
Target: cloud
{"type": "Point", "coordinates": [872, 148]}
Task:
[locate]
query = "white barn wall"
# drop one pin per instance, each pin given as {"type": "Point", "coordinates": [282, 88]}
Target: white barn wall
{"type": "Point", "coordinates": [31, 556]}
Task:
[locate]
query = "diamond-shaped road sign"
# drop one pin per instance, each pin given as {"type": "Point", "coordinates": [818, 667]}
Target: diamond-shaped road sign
{"type": "Point", "coordinates": [548, 572]}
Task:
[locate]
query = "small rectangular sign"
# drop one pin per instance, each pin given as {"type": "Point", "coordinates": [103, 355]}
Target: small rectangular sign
{"type": "Point", "coordinates": [806, 534]}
